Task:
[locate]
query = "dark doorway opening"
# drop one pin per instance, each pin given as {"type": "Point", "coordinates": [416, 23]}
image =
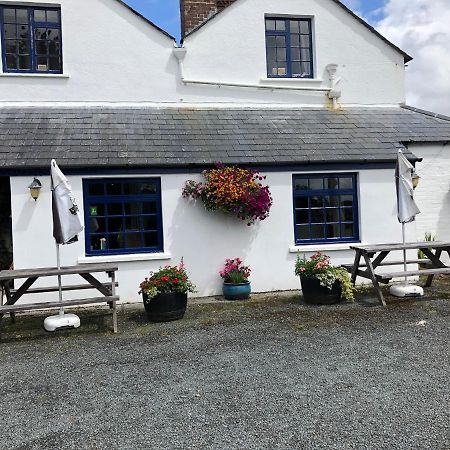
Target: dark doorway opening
{"type": "Point", "coordinates": [6, 247]}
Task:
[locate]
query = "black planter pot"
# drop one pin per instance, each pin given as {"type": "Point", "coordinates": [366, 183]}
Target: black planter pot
{"type": "Point", "coordinates": [316, 294]}
{"type": "Point", "coordinates": [165, 307]}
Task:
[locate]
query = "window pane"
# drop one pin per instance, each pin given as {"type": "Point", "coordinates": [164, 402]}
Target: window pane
{"type": "Point", "coordinates": [97, 225]}
{"type": "Point", "coordinates": [39, 15]}
{"type": "Point", "coordinates": [54, 63]}
{"type": "Point", "coordinates": [11, 46]}
{"type": "Point", "coordinates": [115, 209]}
{"type": "Point", "coordinates": [332, 200]}
{"type": "Point", "coordinates": [150, 222]}
{"type": "Point", "coordinates": [346, 183]}
{"type": "Point", "coordinates": [280, 25]}
{"type": "Point", "coordinates": [53, 35]}
{"type": "Point", "coordinates": [271, 41]}
{"type": "Point", "coordinates": [332, 215]}
{"type": "Point", "coordinates": [306, 54]}
{"type": "Point", "coordinates": [133, 240]}
{"type": "Point", "coordinates": [52, 16]}
{"type": "Point", "coordinates": [302, 216]}
{"type": "Point", "coordinates": [24, 47]}
{"type": "Point", "coordinates": [41, 48]}
{"type": "Point", "coordinates": [333, 231]}
{"type": "Point", "coordinates": [346, 200]}
{"type": "Point", "coordinates": [281, 54]}
{"type": "Point", "coordinates": [114, 189]}
{"type": "Point", "coordinates": [11, 62]}
{"type": "Point", "coordinates": [22, 31]}
{"type": "Point", "coordinates": [317, 216]}
{"type": "Point", "coordinates": [270, 24]}
{"type": "Point", "coordinates": [304, 27]}
{"type": "Point", "coordinates": [97, 210]}
{"type": "Point", "coordinates": [303, 232]}
{"type": "Point", "coordinates": [347, 214]}
{"type": "Point", "coordinates": [347, 230]}
{"type": "Point", "coordinates": [116, 241]}
{"type": "Point", "coordinates": [304, 41]}
{"type": "Point", "coordinates": [10, 31]}
{"type": "Point", "coordinates": [149, 207]}
{"type": "Point", "coordinates": [316, 183]}
{"type": "Point", "coordinates": [133, 223]}
{"type": "Point", "coordinates": [294, 26]}
{"type": "Point", "coordinates": [295, 40]}
{"type": "Point", "coordinates": [151, 239]}
{"type": "Point", "coordinates": [301, 184]}
{"type": "Point", "coordinates": [54, 48]}
{"type": "Point", "coordinates": [296, 69]}
{"type": "Point", "coordinates": [295, 54]}
{"type": "Point", "coordinates": [306, 69]}
{"type": "Point", "coordinates": [115, 224]}
{"type": "Point", "coordinates": [316, 201]}
{"type": "Point", "coordinates": [24, 62]}
{"type": "Point", "coordinates": [301, 202]}
{"type": "Point", "coordinates": [96, 189]}
{"type": "Point", "coordinates": [40, 33]}
{"type": "Point", "coordinates": [22, 16]}
{"type": "Point", "coordinates": [281, 41]}
{"type": "Point", "coordinates": [317, 232]}
{"type": "Point", "coordinates": [331, 183]}
{"type": "Point", "coordinates": [133, 208]}
{"type": "Point", "coordinates": [9, 15]}
{"type": "Point", "coordinates": [42, 65]}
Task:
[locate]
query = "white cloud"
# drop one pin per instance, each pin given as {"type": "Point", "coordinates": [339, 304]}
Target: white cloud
{"type": "Point", "coordinates": [421, 28]}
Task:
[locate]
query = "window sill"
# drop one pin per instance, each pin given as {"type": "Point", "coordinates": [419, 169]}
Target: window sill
{"type": "Point", "coordinates": [292, 80]}
{"type": "Point", "coordinates": [124, 258]}
{"type": "Point", "coordinates": [34, 75]}
{"type": "Point", "coordinates": [321, 247]}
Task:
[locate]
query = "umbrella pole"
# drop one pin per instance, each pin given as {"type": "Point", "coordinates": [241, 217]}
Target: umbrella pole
{"type": "Point", "coordinates": [58, 261]}
{"type": "Point", "coordinates": [404, 252]}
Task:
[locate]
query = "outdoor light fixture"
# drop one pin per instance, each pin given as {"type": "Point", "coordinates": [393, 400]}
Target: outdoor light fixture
{"type": "Point", "coordinates": [35, 189]}
{"type": "Point", "coordinates": [415, 180]}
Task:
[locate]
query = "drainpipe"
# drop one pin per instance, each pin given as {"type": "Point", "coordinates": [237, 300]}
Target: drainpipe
{"type": "Point", "coordinates": [333, 94]}
{"type": "Point", "coordinates": [180, 53]}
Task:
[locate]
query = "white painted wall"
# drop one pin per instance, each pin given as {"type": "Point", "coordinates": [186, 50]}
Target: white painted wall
{"type": "Point", "coordinates": [204, 238]}
{"type": "Point", "coordinates": [112, 55]}
{"type": "Point", "coordinates": [231, 48]}
{"type": "Point", "coordinates": [433, 193]}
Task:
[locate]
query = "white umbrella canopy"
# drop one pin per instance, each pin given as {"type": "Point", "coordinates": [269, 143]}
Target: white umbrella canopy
{"type": "Point", "coordinates": [407, 209]}
{"type": "Point", "coordinates": [66, 219]}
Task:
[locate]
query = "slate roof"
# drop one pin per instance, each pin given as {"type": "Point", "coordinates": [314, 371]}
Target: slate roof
{"type": "Point", "coordinates": [406, 56]}
{"type": "Point", "coordinates": [119, 137]}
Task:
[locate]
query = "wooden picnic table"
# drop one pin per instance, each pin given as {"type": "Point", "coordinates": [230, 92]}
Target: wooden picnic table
{"type": "Point", "coordinates": [374, 256]}
{"type": "Point", "coordinates": [86, 271]}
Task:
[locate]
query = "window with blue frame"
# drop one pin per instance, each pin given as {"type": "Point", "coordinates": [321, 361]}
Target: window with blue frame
{"type": "Point", "coordinates": [289, 48]}
{"type": "Point", "coordinates": [325, 208]}
{"type": "Point", "coordinates": [31, 39]}
{"type": "Point", "coordinates": [123, 216]}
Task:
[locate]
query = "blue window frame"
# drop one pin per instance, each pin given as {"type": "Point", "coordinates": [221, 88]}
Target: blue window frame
{"type": "Point", "coordinates": [123, 216]}
{"type": "Point", "coordinates": [289, 48]}
{"type": "Point", "coordinates": [31, 39]}
{"type": "Point", "coordinates": [325, 208]}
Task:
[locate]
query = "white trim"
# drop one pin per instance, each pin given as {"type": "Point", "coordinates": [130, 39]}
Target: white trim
{"type": "Point", "coordinates": [124, 258]}
{"type": "Point", "coordinates": [321, 248]}
{"type": "Point", "coordinates": [291, 80]}
{"type": "Point", "coordinates": [34, 75]}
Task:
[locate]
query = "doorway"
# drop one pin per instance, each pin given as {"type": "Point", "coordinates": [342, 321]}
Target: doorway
{"type": "Point", "coordinates": [6, 246]}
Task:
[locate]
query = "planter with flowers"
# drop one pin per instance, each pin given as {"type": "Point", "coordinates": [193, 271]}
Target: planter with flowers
{"type": "Point", "coordinates": [165, 293]}
{"type": "Point", "coordinates": [322, 283]}
{"type": "Point", "coordinates": [232, 190]}
{"type": "Point", "coordinates": [235, 280]}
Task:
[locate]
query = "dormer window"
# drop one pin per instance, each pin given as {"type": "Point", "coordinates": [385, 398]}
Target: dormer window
{"type": "Point", "coordinates": [31, 39]}
{"type": "Point", "coordinates": [289, 48]}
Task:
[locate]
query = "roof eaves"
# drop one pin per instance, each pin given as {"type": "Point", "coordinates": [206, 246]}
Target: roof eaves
{"type": "Point", "coordinates": [425, 112]}
{"type": "Point", "coordinates": [407, 57]}
{"type": "Point", "coordinates": [146, 20]}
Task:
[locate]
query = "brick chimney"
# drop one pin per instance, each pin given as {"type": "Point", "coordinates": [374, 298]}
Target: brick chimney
{"type": "Point", "coordinates": [196, 12]}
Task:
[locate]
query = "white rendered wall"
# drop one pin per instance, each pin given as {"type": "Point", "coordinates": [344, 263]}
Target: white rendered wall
{"type": "Point", "coordinates": [204, 238]}
{"type": "Point", "coordinates": [112, 55]}
{"type": "Point", "coordinates": [433, 193]}
{"type": "Point", "coordinates": [231, 47]}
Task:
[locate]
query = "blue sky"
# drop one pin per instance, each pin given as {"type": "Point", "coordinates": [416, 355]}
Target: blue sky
{"type": "Point", "coordinates": [165, 13]}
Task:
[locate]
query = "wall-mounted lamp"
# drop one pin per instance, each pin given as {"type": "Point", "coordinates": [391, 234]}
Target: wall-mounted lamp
{"type": "Point", "coordinates": [35, 189]}
{"type": "Point", "coordinates": [415, 180]}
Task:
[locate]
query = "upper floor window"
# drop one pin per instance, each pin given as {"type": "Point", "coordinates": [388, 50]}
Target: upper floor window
{"type": "Point", "coordinates": [123, 216]}
{"type": "Point", "coordinates": [31, 39]}
{"type": "Point", "coordinates": [325, 208]}
{"type": "Point", "coordinates": [289, 48]}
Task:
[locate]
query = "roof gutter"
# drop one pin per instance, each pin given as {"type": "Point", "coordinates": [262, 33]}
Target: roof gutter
{"type": "Point", "coordinates": [180, 53]}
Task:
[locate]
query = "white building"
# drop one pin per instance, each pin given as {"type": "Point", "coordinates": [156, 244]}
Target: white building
{"type": "Point", "coordinates": [300, 89]}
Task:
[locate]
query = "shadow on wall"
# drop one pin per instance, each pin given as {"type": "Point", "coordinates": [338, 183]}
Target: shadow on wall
{"type": "Point", "coordinates": [205, 239]}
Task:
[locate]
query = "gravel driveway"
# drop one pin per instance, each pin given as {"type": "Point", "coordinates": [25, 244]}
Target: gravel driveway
{"type": "Point", "coordinates": [267, 374]}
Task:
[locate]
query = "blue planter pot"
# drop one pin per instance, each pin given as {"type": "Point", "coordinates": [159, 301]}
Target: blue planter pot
{"type": "Point", "coordinates": [239, 291]}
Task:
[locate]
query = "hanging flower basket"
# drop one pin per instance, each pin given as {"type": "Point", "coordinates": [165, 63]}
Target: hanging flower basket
{"type": "Point", "coordinates": [232, 190]}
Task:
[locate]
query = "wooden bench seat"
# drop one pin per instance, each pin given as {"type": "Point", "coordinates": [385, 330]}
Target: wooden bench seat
{"type": "Point", "coordinates": [349, 267]}
{"type": "Point", "coordinates": [74, 287]}
{"type": "Point", "coordinates": [412, 273]}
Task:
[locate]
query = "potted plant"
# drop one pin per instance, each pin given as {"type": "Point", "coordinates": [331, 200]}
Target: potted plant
{"type": "Point", "coordinates": [235, 280]}
{"type": "Point", "coordinates": [322, 283]}
{"type": "Point", "coordinates": [165, 293]}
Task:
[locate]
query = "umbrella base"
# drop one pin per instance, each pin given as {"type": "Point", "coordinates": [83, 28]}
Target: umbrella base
{"type": "Point", "coordinates": [406, 290]}
{"type": "Point", "coordinates": [52, 323]}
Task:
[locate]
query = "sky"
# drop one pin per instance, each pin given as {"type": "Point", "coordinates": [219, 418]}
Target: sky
{"type": "Point", "coordinates": [419, 27]}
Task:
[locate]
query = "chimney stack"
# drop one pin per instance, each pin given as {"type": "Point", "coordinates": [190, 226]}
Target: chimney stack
{"type": "Point", "coordinates": [196, 12]}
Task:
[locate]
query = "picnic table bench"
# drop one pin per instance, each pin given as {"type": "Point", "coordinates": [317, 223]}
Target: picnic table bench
{"type": "Point", "coordinates": [108, 289]}
{"type": "Point", "coordinates": [374, 256]}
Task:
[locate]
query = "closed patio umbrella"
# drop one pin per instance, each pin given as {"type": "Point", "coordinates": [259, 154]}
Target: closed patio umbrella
{"type": "Point", "coordinates": [66, 226]}
{"type": "Point", "coordinates": [407, 211]}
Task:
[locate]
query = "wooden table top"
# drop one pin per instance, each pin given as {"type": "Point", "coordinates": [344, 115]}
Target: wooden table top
{"type": "Point", "coordinates": [401, 246]}
{"type": "Point", "coordinates": [51, 271]}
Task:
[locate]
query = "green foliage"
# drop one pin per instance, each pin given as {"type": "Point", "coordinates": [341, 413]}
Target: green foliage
{"type": "Point", "coordinates": [428, 238]}
{"type": "Point", "coordinates": [318, 266]}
